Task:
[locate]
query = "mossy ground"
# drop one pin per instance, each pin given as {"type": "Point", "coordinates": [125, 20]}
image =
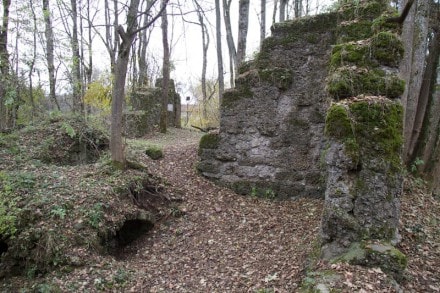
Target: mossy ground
{"type": "Point", "coordinates": [55, 217]}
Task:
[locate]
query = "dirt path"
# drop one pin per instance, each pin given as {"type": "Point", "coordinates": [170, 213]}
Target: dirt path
{"type": "Point", "coordinates": [225, 242]}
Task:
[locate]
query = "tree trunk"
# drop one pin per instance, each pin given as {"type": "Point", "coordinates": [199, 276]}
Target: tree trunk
{"type": "Point", "coordinates": [165, 70]}
{"type": "Point", "coordinates": [118, 89]}
{"type": "Point", "coordinates": [415, 34]}
{"type": "Point", "coordinates": [34, 57]}
{"type": "Point", "coordinates": [243, 22]}
{"type": "Point", "coordinates": [229, 39]}
{"type": "Point", "coordinates": [205, 46]}
{"type": "Point", "coordinates": [50, 49]}
{"type": "Point", "coordinates": [262, 22]}
{"type": "Point", "coordinates": [218, 34]}
{"type": "Point", "coordinates": [120, 74]}
{"type": "Point", "coordinates": [283, 4]}
{"type": "Point", "coordinates": [76, 61]}
{"type": "Point", "coordinates": [4, 64]}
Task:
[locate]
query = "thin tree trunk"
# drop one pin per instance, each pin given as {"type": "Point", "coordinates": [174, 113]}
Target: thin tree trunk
{"type": "Point", "coordinates": [32, 62]}
{"type": "Point", "coordinates": [50, 53]}
{"type": "Point", "coordinates": [165, 70]}
{"type": "Point", "coordinates": [89, 70]}
{"type": "Point", "coordinates": [118, 89]}
{"type": "Point", "coordinates": [275, 8]}
{"type": "Point", "coordinates": [243, 22]}
{"type": "Point", "coordinates": [218, 33]}
{"type": "Point", "coordinates": [76, 61]}
{"type": "Point", "coordinates": [205, 46]}
{"type": "Point", "coordinates": [262, 22]}
{"type": "Point", "coordinates": [4, 64]}
{"type": "Point", "coordinates": [283, 4]}
{"type": "Point", "coordinates": [229, 39]}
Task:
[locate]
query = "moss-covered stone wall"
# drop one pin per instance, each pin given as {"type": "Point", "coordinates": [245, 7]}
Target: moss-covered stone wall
{"type": "Point", "coordinates": [364, 131]}
{"type": "Point", "coordinates": [145, 106]}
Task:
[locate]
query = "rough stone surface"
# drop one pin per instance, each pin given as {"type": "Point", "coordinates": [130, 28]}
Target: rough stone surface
{"type": "Point", "coordinates": [272, 122]}
{"type": "Point", "coordinates": [363, 154]}
{"type": "Point", "coordinates": [144, 116]}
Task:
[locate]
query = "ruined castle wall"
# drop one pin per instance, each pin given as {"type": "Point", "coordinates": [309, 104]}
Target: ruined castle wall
{"type": "Point", "coordinates": [272, 122]}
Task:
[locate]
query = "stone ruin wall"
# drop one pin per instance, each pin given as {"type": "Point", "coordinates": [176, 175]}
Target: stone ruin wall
{"type": "Point", "coordinates": [272, 123]}
{"type": "Point", "coordinates": [146, 104]}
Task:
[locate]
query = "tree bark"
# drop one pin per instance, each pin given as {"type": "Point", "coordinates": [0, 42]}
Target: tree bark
{"type": "Point", "coordinates": [218, 34]}
{"type": "Point", "coordinates": [243, 22]}
{"type": "Point", "coordinates": [34, 57]}
{"type": "Point", "coordinates": [283, 4]}
{"type": "Point", "coordinates": [262, 22]}
{"type": "Point", "coordinates": [229, 40]}
{"type": "Point", "coordinates": [165, 70]}
{"type": "Point", "coordinates": [415, 33]}
{"type": "Point", "coordinates": [76, 61]}
{"type": "Point", "coordinates": [4, 64]}
{"type": "Point", "coordinates": [50, 53]}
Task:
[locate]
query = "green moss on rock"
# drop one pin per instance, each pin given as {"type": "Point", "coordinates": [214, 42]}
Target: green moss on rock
{"type": "Point", "coordinates": [387, 48]}
{"type": "Point", "coordinates": [354, 30]}
{"type": "Point", "coordinates": [337, 122]}
{"type": "Point", "coordinates": [378, 129]}
{"type": "Point", "coordinates": [348, 82]}
{"type": "Point", "coordinates": [355, 53]}
{"type": "Point", "coordinates": [381, 23]}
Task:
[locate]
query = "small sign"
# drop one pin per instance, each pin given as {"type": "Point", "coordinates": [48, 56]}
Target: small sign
{"type": "Point", "coordinates": [170, 108]}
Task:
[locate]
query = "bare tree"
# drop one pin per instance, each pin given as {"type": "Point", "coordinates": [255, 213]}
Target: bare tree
{"type": "Point", "coordinates": [127, 37]}
{"type": "Point", "coordinates": [165, 69]}
{"type": "Point", "coordinates": [229, 39]}
{"type": "Point", "coordinates": [4, 64]}
{"type": "Point", "coordinates": [243, 22]}
{"type": "Point", "coordinates": [218, 34]}
{"type": "Point", "coordinates": [31, 63]}
{"type": "Point", "coordinates": [283, 10]}
{"type": "Point", "coordinates": [262, 21]}
{"type": "Point", "coordinates": [76, 60]}
{"type": "Point", "coordinates": [50, 49]}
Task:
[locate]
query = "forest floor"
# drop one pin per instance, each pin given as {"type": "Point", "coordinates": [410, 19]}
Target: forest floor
{"type": "Point", "coordinates": [224, 242]}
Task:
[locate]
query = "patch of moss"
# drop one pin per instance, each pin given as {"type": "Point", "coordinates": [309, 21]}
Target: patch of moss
{"type": "Point", "coordinates": [209, 141]}
{"type": "Point", "coordinates": [366, 10]}
{"type": "Point", "coordinates": [154, 152]}
{"type": "Point", "coordinates": [348, 82]}
{"type": "Point", "coordinates": [381, 23]}
{"type": "Point", "coordinates": [232, 96]}
{"type": "Point", "coordinates": [355, 53]}
{"type": "Point", "coordinates": [355, 30]}
{"type": "Point", "coordinates": [387, 48]}
{"type": "Point", "coordinates": [387, 257]}
{"type": "Point", "coordinates": [280, 77]}
{"type": "Point", "coordinates": [378, 128]}
{"type": "Point", "coordinates": [338, 123]}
